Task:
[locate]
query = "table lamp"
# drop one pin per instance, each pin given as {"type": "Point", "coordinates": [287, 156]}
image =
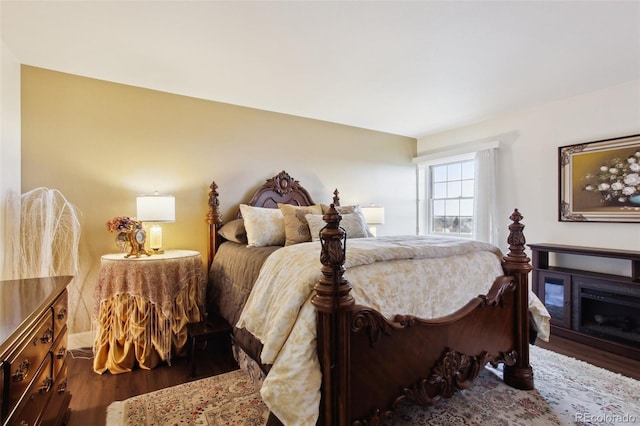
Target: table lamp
{"type": "Point", "coordinates": [374, 216]}
{"type": "Point", "coordinates": [156, 208]}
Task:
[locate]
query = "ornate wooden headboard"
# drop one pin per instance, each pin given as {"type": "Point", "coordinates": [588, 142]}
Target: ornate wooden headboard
{"type": "Point", "coordinates": [281, 188]}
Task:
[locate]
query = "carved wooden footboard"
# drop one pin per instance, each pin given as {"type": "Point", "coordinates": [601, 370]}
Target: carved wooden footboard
{"type": "Point", "coordinates": [370, 364]}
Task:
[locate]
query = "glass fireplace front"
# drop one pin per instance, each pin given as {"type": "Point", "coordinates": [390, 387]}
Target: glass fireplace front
{"type": "Point", "coordinates": [608, 311]}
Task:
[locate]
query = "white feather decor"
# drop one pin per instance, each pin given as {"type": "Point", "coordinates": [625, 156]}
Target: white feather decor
{"type": "Point", "coordinates": [49, 235]}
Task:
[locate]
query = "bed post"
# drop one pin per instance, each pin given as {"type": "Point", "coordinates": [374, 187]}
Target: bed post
{"type": "Point", "coordinates": [214, 221]}
{"type": "Point", "coordinates": [333, 304]}
{"type": "Point", "coordinates": [517, 264]}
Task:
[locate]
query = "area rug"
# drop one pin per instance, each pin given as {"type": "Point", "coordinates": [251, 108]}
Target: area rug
{"type": "Point", "coordinates": [227, 399]}
{"type": "Point", "coordinates": [568, 392]}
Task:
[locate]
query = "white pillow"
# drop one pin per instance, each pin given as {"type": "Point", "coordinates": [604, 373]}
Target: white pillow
{"type": "Point", "coordinates": [349, 209]}
{"type": "Point", "coordinates": [358, 210]}
{"type": "Point", "coordinates": [353, 224]}
{"type": "Point", "coordinates": [264, 226]}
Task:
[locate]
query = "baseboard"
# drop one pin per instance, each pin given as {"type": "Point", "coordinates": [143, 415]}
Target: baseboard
{"type": "Point", "coordinates": [80, 340]}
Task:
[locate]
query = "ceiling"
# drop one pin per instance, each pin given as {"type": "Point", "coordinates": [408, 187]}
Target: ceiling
{"type": "Point", "coordinates": [407, 68]}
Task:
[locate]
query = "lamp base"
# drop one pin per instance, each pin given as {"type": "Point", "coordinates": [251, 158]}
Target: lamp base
{"type": "Point", "coordinates": [157, 251]}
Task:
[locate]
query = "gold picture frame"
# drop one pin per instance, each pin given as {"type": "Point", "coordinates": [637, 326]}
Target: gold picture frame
{"type": "Point", "coordinates": [600, 181]}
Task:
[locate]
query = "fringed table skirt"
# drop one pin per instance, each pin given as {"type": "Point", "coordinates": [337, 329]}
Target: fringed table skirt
{"type": "Point", "coordinates": [142, 307]}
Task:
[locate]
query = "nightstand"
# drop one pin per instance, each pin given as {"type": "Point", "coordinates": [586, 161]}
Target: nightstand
{"type": "Point", "coordinates": [142, 307]}
{"type": "Point", "coordinates": [204, 331]}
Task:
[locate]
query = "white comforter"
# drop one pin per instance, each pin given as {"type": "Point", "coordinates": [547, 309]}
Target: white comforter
{"type": "Point", "coordinates": [279, 310]}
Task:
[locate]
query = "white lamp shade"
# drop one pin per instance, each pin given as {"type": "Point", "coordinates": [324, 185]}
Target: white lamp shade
{"type": "Point", "coordinates": [373, 215]}
{"type": "Point", "coordinates": [156, 208]}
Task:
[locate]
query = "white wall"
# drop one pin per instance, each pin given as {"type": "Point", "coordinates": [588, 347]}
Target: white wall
{"type": "Point", "coordinates": [528, 164]}
{"type": "Point", "coordinates": [9, 146]}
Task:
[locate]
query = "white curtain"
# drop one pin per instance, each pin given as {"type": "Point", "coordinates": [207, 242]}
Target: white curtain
{"type": "Point", "coordinates": [485, 203]}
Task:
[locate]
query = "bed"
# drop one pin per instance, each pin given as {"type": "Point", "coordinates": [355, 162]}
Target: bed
{"type": "Point", "coordinates": [329, 360]}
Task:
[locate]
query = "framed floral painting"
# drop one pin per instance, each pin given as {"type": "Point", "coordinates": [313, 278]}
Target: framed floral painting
{"type": "Point", "coordinates": [600, 181]}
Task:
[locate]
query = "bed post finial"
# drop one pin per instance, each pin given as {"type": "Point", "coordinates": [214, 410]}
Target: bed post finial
{"type": "Point", "coordinates": [517, 264]}
{"type": "Point", "coordinates": [214, 221]}
{"type": "Point", "coordinates": [333, 305]}
{"type": "Point", "coordinates": [517, 241]}
{"type": "Point", "coordinates": [336, 198]}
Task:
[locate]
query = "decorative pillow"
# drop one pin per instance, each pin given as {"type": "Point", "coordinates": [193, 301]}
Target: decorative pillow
{"type": "Point", "coordinates": [349, 209]}
{"type": "Point", "coordinates": [352, 223]}
{"type": "Point", "coordinates": [265, 226]}
{"type": "Point", "coordinates": [296, 228]}
{"type": "Point", "coordinates": [234, 231]}
{"type": "Point", "coordinates": [340, 209]}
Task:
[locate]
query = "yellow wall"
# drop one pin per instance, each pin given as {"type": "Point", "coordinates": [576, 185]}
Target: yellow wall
{"type": "Point", "coordinates": [103, 143]}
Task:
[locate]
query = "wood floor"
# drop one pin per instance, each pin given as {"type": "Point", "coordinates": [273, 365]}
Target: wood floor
{"type": "Point", "coordinates": [612, 362]}
{"type": "Point", "coordinates": [92, 393]}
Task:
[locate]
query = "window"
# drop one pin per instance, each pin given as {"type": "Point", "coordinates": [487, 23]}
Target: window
{"type": "Point", "coordinates": [451, 193]}
{"type": "Point", "coordinates": [457, 191]}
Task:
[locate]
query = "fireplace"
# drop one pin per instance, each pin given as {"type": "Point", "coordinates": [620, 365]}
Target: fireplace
{"type": "Point", "coordinates": [598, 305]}
{"type": "Point", "coordinates": [606, 310]}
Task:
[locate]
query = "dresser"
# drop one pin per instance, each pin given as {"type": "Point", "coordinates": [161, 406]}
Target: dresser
{"type": "Point", "coordinates": [33, 336]}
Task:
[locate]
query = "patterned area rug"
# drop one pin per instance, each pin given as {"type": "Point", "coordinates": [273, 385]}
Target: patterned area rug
{"type": "Point", "coordinates": [568, 392]}
{"type": "Point", "coordinates": [227, 399]}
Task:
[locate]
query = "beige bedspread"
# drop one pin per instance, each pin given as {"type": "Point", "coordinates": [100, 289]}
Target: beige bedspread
{"type": "Point", "coordinates": [279, 310]}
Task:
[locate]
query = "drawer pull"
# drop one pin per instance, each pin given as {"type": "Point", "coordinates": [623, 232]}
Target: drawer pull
{"type": "Point", "coordinates": [46, 385]}
{"type": "Point", "coordinates": [63, 387]}
{"type": "Point", "coordinates": [47, 336]}
{"type": "Point", "coordinates": [62, 313]}
{"type": "Point", "coordinates": [61, 352]}
{"type": "Point", "coordinates": [22, 372]}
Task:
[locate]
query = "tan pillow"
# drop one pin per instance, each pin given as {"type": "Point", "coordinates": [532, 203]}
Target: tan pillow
{"type": "Point", "coordinates": [265, 227]}
{"type": "Point", "coordinates": [234, 231]}
{"type": "Point", "coordinates": [352, 223]}
{"type": "Point", "coordinates": [296, 228]}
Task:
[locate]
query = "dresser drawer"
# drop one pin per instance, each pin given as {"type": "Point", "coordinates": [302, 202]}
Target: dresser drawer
{"type": "Point", "coordinates": [29, 411]}
{"type": "Point", "coordinates": [28, 358]}
{"type": "Point", "coordinates": [59, 352]}
{"type": "Point", "coordinates": [56, 409]}
{"type": "Point", "coordinates": [60, 313]}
